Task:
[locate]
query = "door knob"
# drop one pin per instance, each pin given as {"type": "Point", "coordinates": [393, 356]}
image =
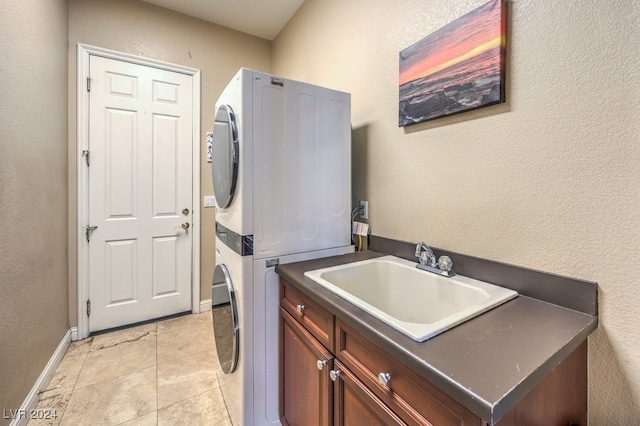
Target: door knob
{"type": "Point", "coordinates": [334, 374]}
{"type": "Point", "coordinates": [321, 364]}
{"type": "Point", "coordinates": [185, 225]}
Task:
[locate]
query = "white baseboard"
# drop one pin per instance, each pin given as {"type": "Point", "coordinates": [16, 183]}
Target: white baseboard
{"type": "Point", "coordinates": [205, 305]}
{"type": "Point", "coordinates": [219, 292]}
{"type": "Point", "coordinates": [30, 402]}
{"type": "Point", "coordinates": [74, 334]}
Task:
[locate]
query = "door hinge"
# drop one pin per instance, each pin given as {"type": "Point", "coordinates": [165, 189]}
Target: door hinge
{"type": "Point", "coordinates": [88, 307]}
{"type": "Point", "coordinates": [89, 230]}
{"type": "Point", "coordinates": [87, 156]}
{"type": "Point", "coordinates": [88, 84]}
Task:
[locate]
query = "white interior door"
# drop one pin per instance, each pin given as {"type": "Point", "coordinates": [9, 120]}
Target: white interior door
{"type": "Point", "coordinates": [140, 192]}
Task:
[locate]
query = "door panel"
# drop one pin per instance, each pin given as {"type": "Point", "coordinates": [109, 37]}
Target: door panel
{"type": "Point", "coordinates": [120, 266]}
{"type": "Point", "coordinates": [140, 180]}
{"type": "Point", "coordinates": [165, 268]}
{"type": "Point", "coordinates": [120, 147]}
{"type": "Point", "coordinates": [166, 149]}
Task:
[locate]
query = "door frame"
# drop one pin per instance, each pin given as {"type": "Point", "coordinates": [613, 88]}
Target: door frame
{"type": "Point", "coordinates": [84, 51]}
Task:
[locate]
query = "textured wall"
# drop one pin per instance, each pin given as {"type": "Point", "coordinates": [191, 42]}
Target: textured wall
{"type": "Point", "coordinates": [549, 180]}
{"type": "Point", "coordinates": [142, 29]}
{"type": "Point", "coordinates": [33, 192]}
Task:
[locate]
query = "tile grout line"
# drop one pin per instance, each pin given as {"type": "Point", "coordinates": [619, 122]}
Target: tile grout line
{"type": "Point", "coordinates": [83, 360]}
{"type": "Point", "coordinates": [73, 388]}
{"type": "Point", "coordinates": [156, 375]}
{"type": "Point", "coordinates": [114, 377]}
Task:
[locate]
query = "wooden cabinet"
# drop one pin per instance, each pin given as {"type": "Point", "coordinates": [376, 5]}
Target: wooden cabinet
{"type": "Point", "coordinates": [412, 398]}
{"type": "Point", "coordinates": [373, 388]}
{"type": "Point", "coordinates": [315, 319]}
{"type": "Point", "coordinates": [307, 358]}
{"type": "Point", "coordinates": [356, 405]}
{"type": "Point", "coordinates": [307, 390]}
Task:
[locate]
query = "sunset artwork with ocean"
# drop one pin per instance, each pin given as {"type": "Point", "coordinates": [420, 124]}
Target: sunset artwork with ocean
{"type": "Point", "coordinates": [457, 68]}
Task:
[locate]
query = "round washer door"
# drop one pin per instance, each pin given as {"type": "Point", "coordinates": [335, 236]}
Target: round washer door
{"type": "Point", "coordinates": [225, 319]}
{"type": "Point", "coordinates": [225, 155]}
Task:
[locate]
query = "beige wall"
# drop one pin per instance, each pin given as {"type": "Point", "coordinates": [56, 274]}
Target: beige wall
{"type": "Point", "coordinates": [33, 192]}
{"type": "Point", "coordinates": [139, 28]}
{"type": "Point", "coordinates": [549, 180]}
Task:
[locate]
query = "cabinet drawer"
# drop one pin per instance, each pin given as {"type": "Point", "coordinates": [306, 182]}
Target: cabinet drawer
{"type": "Point", "coordinates": [410, 396]}
{"type": "Point", "coordinates": [315, 319]}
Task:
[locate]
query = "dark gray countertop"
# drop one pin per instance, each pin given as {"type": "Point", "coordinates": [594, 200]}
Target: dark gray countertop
{"type": "Point", "coordinates": [487, 364]}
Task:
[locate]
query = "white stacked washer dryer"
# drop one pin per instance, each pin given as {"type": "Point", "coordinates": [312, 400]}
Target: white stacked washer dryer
{"type": "Point", "coordinates": [281, 165]}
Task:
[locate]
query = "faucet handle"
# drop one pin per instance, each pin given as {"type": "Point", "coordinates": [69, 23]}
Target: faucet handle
{"type": "Point", "coordinates": [445, 263]}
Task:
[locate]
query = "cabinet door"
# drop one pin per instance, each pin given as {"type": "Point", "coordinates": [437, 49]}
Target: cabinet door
{"type": "Point", "coordinates": [356, 405]}
{"type": "Point", "coordinates": [306, 388]}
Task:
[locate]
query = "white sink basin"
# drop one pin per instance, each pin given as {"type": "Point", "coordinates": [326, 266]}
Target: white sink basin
{"type": "Point", "coordinates": [418, 303]}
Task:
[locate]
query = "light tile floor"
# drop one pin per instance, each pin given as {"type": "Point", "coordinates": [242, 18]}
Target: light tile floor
{"type": "Point", "coordinates": [164, 373]}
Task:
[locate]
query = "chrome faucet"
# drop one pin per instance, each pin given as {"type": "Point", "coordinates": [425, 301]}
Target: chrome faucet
{"type": "Point", "coordinates": [425, 255]}
{"type": "Point", "coordinates": [427, 261]}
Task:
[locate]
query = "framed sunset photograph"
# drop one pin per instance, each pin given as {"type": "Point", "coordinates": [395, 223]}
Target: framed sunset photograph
{"type": "Point", "coordinates": [458, 68]}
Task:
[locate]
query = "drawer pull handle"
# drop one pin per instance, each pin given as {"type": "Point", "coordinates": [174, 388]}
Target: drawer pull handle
{"type": "Point", "coordinates": [300, 308]}
{"type": "Point", "coordinates": [321, 364]}
{"type": "Point", "coordinates": [334, 374]}
{"type": "Point", "coordinates": [384, 379]}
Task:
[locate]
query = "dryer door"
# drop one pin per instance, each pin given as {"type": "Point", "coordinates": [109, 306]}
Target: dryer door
{"type": "Point", "coordinates": [224, 156]}
{"type": "Point", "coordinates": [225, 320]}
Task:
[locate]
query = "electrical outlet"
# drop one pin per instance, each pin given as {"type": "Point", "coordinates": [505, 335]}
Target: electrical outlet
{"type": "Point", "coordinates": [209, 201]}
{"type": "Point", "coordinates": [364, 209]}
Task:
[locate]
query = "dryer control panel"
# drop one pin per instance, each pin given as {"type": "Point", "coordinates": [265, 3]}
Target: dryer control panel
{"type": "Point", "coordinates": [241, 244]}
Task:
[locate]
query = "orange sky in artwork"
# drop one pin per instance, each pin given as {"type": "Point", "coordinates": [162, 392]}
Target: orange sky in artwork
{"type": "Point", "coordinates": [444, 52]}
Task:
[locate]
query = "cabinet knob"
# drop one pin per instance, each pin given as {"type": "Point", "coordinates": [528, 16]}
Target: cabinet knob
{"type": "Point", "coordinates": [384, 379]}
{"type": "Point", "coordinates": [300, 308]}
{"type": "Point", "coordinates": [334, 374]}
{"type": "Point", "coordinates": [321, 364]}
